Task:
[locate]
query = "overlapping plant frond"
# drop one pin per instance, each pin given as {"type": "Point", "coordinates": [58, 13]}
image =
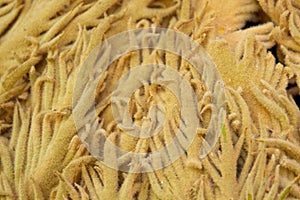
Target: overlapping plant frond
{"type": "Point", "coordinates": [286, 16]}
{"type": "Point", "coordinates": [38, 129]}
{"type": "Point", "coordinates": [167, 182]}
{"type": "Point", "coordinates": [252, 105]}
{"type": "Point", "coordinates": [250, 160]}
{"type": "Point", "coordinates": [266, 81]}
{"type": "Point", "coordinates": [25, 45]}
{"type": "Point", "coordinates": [228, 18]}
{"type": "Point", "coordinates": [43, 45]}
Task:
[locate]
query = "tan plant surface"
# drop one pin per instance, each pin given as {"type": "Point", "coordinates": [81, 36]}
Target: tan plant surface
{"type": "Point", "coordinates": [44, 44]}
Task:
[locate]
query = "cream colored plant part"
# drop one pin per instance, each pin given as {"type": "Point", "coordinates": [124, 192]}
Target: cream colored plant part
{"type": "Point", "coordinates": [40, 145]}
{"type": "Point", "coordinates": [41, 50]}
{"type": "Point", "coordinates": [227, 17]}
{"type": "Point", "coordinates": [40, 128]}
{"type": "Point", "coordinates": [286, 15]}
{"type": "Point", "coordinates": [253, 63]}
{"type": "Point", "coordinates": [251, 121]}
{"type": "Point", "coordinates": [27, 39]}
{"type": "Point", "coordinates": [58, 26]}
{"type": "Point", "coordinates": [160, 181]}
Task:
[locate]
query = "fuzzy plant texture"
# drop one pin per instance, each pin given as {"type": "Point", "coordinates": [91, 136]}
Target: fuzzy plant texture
{"type": "Point", "coordinates": [255, 45]}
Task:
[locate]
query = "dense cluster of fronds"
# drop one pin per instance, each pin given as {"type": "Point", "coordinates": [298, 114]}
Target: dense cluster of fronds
{"type": "Point", "coordinates": [43, 45]}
